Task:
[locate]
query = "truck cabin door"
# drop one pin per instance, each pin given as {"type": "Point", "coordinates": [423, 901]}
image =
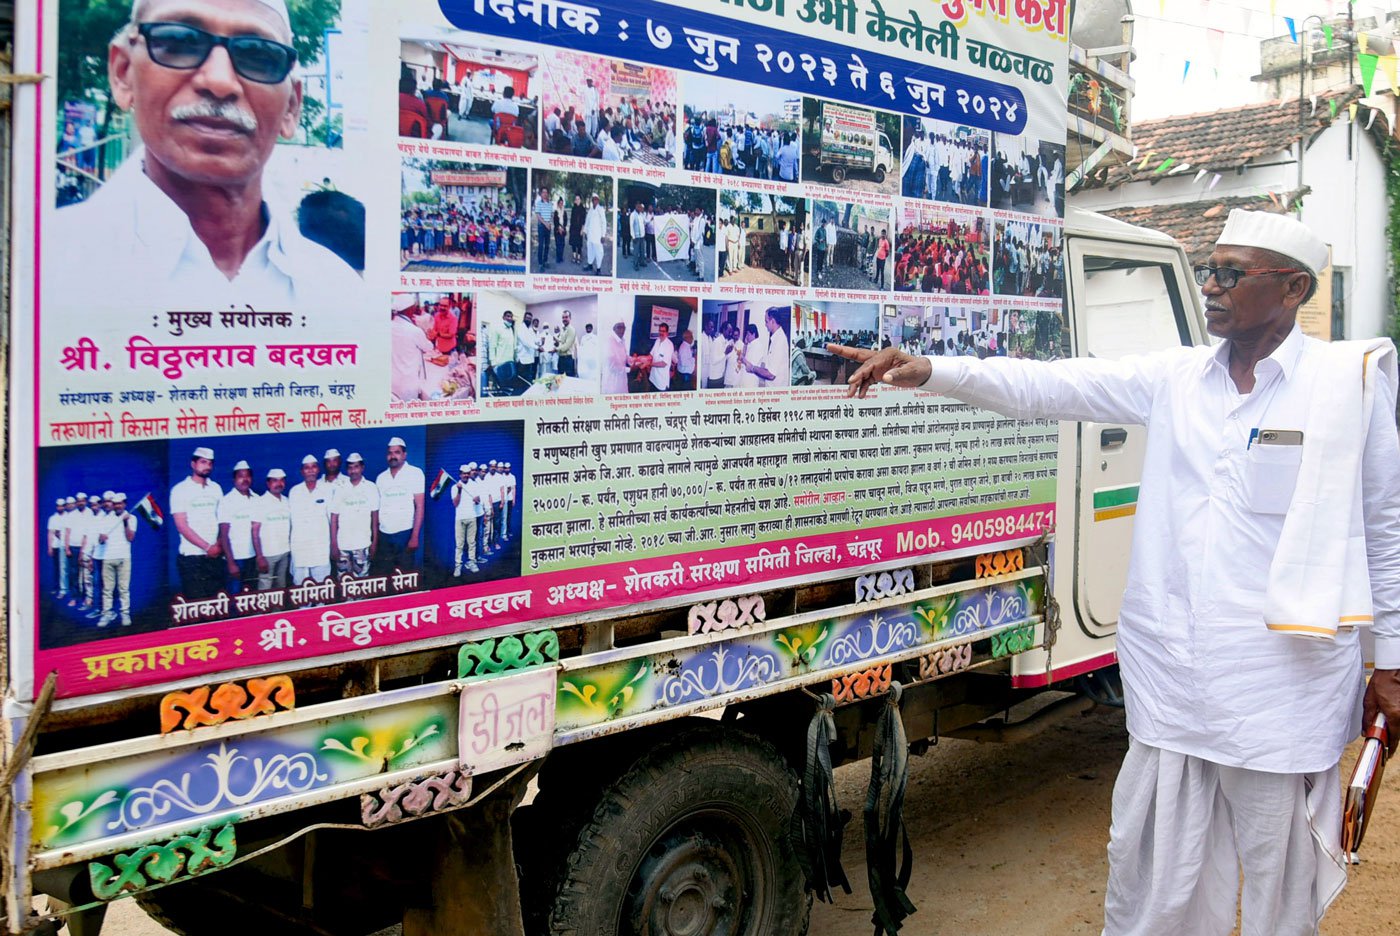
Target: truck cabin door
{"type": "Point", "coordinates": [1129, 299]}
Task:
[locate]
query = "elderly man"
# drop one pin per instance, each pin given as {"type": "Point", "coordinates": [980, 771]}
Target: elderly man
{"type": "Point", "coordinates": [1238, 703]}
{"type": "Point", "coordinates": [595, 227]}
{"type": "Point", "coordinates": [210, 87]}
{"type": "Point", "coordinates": [618, 363]}
{"type": "Point", "coordinates": [409, 349]}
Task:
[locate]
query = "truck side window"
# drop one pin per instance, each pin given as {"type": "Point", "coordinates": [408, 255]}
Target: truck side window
{"type": "Point", "coordinates": [1130, 307]}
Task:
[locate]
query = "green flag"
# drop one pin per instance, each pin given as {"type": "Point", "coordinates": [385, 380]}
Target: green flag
{"type": "Point", "coordinates": [1368, 71]}
{"type": "Point", "coordinates": [1166, 164]}
{"type": "Point", "coordinates": [1327, 31]}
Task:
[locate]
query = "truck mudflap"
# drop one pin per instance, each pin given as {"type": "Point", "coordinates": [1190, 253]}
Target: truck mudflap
{"type": "Point", "coordinates": [149, 810]}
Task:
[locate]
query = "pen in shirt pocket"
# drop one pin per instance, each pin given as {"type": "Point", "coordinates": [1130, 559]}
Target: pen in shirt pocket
{"type": "Point", "coordinates": [1253, 434]}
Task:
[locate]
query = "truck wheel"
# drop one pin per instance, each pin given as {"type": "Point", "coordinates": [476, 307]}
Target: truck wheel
{"type": "Point", "coordinates": [838, 174]}
{"type": "Point", "coordinates": [692, 841]}
{"type": "Point", "coordinates": [879, 175]}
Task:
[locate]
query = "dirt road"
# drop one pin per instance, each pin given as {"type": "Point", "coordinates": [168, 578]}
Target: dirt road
{"type": "Point", "coordinates": [1009, 839]}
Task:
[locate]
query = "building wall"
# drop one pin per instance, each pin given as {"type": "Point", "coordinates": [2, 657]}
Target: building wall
{"type": "Point", "coordinates": [1347, 208]}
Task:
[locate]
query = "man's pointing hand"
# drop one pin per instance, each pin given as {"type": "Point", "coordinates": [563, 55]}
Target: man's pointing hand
{"type": "Point", "coordinates": [889, 365]}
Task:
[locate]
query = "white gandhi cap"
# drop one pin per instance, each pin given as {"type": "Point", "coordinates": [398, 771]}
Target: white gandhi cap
{"type": "Point", "coordinates": [309, 460]}
{"type": "Point", "coordinates": [399, 442]}
{"type": "Point", "coordinates": [108, 494]}
{"type": "Point", "coordinates": [1282, 234]}
{"type": "Point", "coordinates": [276, 473]}
{"type": "Point", "coordinates": [71, 500]}
{"type": "Point", "coordinates": [331, 453]}
{"type": "Point", "coordinates": [203, 452]}
{"type": "Point", "coordinates": [402, 302]}
{"type": "Point", "coordinates": [63, 500]}
{"type": "Point", "coordinates": [119, 497]}
{"type": "Point", "coordinates": [242, 466]}
{"type": "Point", "coordinates": [354, 457]}
{"type": "Point", "coordinates": [467, 467]}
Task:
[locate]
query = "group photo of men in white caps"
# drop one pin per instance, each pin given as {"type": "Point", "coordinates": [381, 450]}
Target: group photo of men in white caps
{"type": "Point", "coordinates": [474, 516]}
{"type": "Point", "coordinates": [228, 517]}
{"type": "Point", "coordinates": [89, 544]}
{"type": "Point", "coordinates": [334, 521]}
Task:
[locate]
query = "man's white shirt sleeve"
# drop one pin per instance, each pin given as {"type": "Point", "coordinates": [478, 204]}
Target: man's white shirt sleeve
{"type": "Point", "coordinates": [1380, 486]}
{"type": "Point", "coordinates": [1072, 389]}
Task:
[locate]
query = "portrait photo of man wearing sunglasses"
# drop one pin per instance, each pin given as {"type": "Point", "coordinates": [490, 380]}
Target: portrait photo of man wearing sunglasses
{"type": "Point", "coordinates": [188, 220]}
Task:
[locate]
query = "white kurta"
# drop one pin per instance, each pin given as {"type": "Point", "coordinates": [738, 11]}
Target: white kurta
{"type": "Point", "coordinates": [615, 367]}
{"type": "Point", "coordinates": [595, 225]}
{"type": "Point", "coordinates": [1202, 674]}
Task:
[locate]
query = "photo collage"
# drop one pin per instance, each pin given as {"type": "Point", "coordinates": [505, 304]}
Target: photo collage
{"type": "Point", "coordinates": [277, 418]}
{"type": "Point", "coordinates": [666, 231]}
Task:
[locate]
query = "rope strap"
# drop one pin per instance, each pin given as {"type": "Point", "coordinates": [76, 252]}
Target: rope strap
{"type": "Point", "coordinates": [884, 821]}
{"type": "Point", "coordinates": [818, 824]}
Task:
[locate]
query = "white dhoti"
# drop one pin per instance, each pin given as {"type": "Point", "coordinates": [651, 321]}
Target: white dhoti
{"type": "Point", "coordinates": [1183, 830]}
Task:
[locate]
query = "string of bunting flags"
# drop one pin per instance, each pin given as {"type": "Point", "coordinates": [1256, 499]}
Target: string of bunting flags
{"type": "Point", "coordinates": [1248, 27]}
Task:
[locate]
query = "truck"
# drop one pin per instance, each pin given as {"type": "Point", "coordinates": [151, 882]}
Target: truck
{"type": "Point", "coordinates": [848, 139]}
{"type": "Point", "coordinates": [566, 684]}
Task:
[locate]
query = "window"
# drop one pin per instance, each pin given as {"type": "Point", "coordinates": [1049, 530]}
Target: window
{"type": "Point", "coordinates": [1131, 306]}
{"type": "Point", "coordinates": [1339, 304]}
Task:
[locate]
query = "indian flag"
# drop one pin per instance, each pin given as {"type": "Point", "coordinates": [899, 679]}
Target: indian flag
{"type": "Point", "coordinates": [148, 508]}
{"type": "Point", "coordinates": [442, 482]}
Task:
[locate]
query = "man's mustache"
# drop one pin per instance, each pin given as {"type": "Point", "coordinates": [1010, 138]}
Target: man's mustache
{"type": "Point", "coordinates": [216, 110]}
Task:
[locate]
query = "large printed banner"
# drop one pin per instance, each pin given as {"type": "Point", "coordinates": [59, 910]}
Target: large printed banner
{"type": "Point", "coordinates": [361, 323]}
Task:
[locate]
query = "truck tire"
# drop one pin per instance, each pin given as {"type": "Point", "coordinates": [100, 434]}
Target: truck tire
{"type": "Point", "coordinates": [879, 175]}
{"type": "Point", "coordinates": [838, 175]}
{"type": "Point", "coordinates": [692, 841]}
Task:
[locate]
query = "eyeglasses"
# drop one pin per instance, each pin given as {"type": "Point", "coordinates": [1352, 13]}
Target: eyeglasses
{"type": "Point", "coordinates": [1229, 277]}
{"type": "Point", "coordinates": [179, 45]}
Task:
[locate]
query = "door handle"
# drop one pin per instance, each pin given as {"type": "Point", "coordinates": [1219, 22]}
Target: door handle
{"type": "Point", "coordinates": [1112, 438]}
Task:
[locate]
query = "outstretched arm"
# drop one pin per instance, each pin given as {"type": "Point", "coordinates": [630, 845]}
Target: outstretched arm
{"type": "Point", "coordinates": [1072, 389]}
